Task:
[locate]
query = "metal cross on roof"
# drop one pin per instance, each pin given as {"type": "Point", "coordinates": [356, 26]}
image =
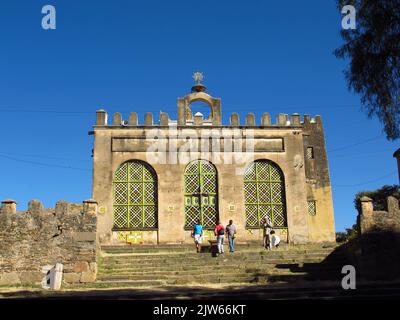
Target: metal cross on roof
{"type": "Point", "coordinates": [198, 76]}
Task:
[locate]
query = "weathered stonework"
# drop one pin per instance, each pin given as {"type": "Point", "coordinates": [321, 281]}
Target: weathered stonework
{"type": "Point", "coordinates": [379, 221]}
{"type": "Point", "coordinates": [38, 237]}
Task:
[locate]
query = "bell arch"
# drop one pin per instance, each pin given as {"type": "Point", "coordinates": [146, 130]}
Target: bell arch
{"type": "Point", "coordinates": [135, 197]}
{"type": "Point", "coordinates": [264, 194]}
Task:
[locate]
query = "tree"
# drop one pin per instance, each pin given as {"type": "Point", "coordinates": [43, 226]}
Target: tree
{"type": "Point", "coordinates": [374, 52]}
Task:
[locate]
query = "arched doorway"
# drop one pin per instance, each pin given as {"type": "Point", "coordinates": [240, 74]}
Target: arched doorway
{"type": "Point", "coordinates": [201, 194]}
{"type": "Point", "coordinates": [264, 194]}
{"type": "Point", "coordinates": [135, 197]}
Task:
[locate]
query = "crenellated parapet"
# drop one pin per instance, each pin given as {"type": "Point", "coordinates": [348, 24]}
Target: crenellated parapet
{"type": "Point", "coordinates": [282, 120]}
{"type": "Point", "coordinates": [40, 237]}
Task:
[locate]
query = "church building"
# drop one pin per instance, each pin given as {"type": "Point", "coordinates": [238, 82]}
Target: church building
{"type": "Point", "coordinates": [153, 180]}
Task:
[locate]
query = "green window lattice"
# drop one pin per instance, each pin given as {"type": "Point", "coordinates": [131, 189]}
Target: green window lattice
{"type": "Point", "coordinates": [135, 196]}
{"type": "Point", "coordinates": [201, 194]}
{"type": "Point", "coordinates": [264, 193]}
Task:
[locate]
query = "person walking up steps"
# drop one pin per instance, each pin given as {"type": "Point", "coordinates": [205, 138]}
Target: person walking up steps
{"type": "Point", "coordinates": [219, 232]}
{"type": "Point", "coordinates": [267, 233]}
{"type": "Point", "coordinates": [197, 234]}
{"type": "Point", "coordinates": [231, 231]}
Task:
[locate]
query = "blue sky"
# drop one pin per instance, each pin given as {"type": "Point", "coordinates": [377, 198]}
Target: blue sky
{"type": "Point", "coordinates": [259, 56]}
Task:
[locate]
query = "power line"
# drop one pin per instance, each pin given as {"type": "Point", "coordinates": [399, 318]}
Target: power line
{"type": "Point", "coordinates": [366, 182]}
{"type": "Point", "coordinates": [44, 164]}
{"type": "Point", "coordinates": [41, 156]}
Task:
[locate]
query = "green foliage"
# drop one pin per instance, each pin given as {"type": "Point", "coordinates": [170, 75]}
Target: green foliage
{"type": "Point", "coordinates": [374, 52]}
{"type": "Point", "coordinates": [378, 197]}
{"type": "Point", "coordinates": [348, 235]}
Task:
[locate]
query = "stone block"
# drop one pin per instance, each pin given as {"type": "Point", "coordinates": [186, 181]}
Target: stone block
{"type": "Point", "coordinates": [9, 206]}
{"type": "Point", "coordinates": [72, 277]}
{"type": "Point", "coordinates": [117, 119]}
{"type": "Point", "coordinates": [81, 266]}
{"type": "Point", "coordinates": [133, 119]}
{"type": "Point", "coordinates": [10, 278]}
{"type": "Point", "coordinates": [265, 119]}
{"type": "Point", "coordinates": [84, 236]}
{"type": "Point", "coordinates": [101, 117]}
{"type": "Point", "coordinates": [250, 119]}
{"type": "Point", "coordinates": [31, 277]}
{"type": "Point", "coordinates": [88, 276]}
{"type": "Point", "coordinates": [235, 119]}
{"type": "Point", "coordinates": [35, 207]}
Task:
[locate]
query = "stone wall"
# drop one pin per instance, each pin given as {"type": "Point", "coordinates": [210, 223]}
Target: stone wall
{"type": "Point", "coordinates": [38, 237]}
{"type": "Point", "coordinates": [375, 221]}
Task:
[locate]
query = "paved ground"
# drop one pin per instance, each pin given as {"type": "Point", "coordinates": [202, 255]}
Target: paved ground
{"type": "Point", "coordinates": [326, 291]}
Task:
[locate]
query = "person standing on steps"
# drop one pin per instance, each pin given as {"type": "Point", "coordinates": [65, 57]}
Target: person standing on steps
{"type": "Point", "coordinates": [267, 233]}
{"type": "Point", "coordinates": [219, 232]}
{"type": "Point", "coordinates": [231, 231]}
{"type": "Point", "coordinates": [197, 234]}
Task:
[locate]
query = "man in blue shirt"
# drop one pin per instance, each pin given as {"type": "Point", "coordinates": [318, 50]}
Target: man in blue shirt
{"type": "Point", "coordinates": [197, 234]}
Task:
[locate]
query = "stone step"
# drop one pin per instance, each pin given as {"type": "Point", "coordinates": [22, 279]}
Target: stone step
{"type": "Point", "coordinates": [233, 268]}
{"type": "Point", "coordinates": [206, 248]}
{"type": "Point", "coordinates": [322, 253]}
{"type": "Point", "coordinates": [189, 263]}
{"type": "Point", "coordinates": [204, 257]}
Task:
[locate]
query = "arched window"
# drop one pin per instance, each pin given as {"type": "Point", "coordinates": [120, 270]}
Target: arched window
{"type": "Point", "coordinates": [264, 194]}
{"type": "Point", "coordinates": [135, 196]}
{"type": "Point", "coordinates": [201, 194]}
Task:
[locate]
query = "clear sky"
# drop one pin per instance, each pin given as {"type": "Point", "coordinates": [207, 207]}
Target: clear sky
{"type": "Point", "coordinates": [258, 56]}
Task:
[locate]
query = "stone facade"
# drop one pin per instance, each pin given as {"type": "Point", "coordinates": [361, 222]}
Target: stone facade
{"type": "Point", "coordinates": [32, 239]}
{"type": "Point", "coordinates": [296, 146]}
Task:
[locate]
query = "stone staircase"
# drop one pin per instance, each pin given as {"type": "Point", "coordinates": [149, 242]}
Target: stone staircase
{"type": "Point", "coordinates": [168, 265]}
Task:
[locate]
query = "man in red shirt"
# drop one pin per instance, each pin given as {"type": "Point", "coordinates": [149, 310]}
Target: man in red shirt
{"type": "Point", "coordinates": [219, 232]}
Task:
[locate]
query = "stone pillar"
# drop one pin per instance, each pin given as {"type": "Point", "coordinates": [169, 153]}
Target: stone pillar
{"type": "Point", "coordinates": [90, 207]}
{"type": "Point", "coordinates": [265, 119]}
{"type": "Point", "coordinates": [235, 119]}
{"type": "Point", "coordinates": [181, 112]}
{"type": "Point", "coordinates": [164, 119]}
{"type": "Point", "coordinates": [101, 117]}
{"type": "Point", "coordinates": [133, 119]}
{"type": "Point", "coordinates": [250, 119]}
{"type": "Point", "coordinates": [35, 207]}
{"type": "Point", "coordinates": [148, 119]}
{"type": "Point", "coordinates": [9, 206]}
{"type": "Point", "coordinates": [117, 119]}
{"type": "Point", "coordinates": [295, 121]}
{"type": "Point", "coordinates": [366, 217]}
{"type": "Point", "coordinates": [217, 116]}
{"type": "Point", "coordinates": [282, 118]}
{"type": "Point", "coordinates": [397, 156]}
{"type": "Point", "coordinates": [198, 119]}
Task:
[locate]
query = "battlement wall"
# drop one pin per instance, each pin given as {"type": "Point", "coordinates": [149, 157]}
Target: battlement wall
{"type": "Point", "coordinates": [32, 239]}
{"type": "Point", "coordinates": [282, 120]}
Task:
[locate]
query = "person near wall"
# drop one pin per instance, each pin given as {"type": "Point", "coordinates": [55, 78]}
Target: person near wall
{"type": "Point", "coordinates": [197, 234]}
{"type": "Point", "coordinates": [267, 227]}
{"type": "Point", "coordinates": [230, 232]}
{"type": "Point", "coordinates": [219, 232]}
{"type": "Point", "coordinates": [275, 239]}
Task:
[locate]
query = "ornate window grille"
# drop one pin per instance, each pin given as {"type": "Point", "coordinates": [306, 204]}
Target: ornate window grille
{"type": "Point", "coordinates": [312, 208]}
{"type": "Point", "coordinates": [135, 196]}
{"type": "Point", "coordinates": [201, 194]}
{"type": "Point", "coordinates": [264, 194]}
{"type": "Point", "coordinates": [310, 153]}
